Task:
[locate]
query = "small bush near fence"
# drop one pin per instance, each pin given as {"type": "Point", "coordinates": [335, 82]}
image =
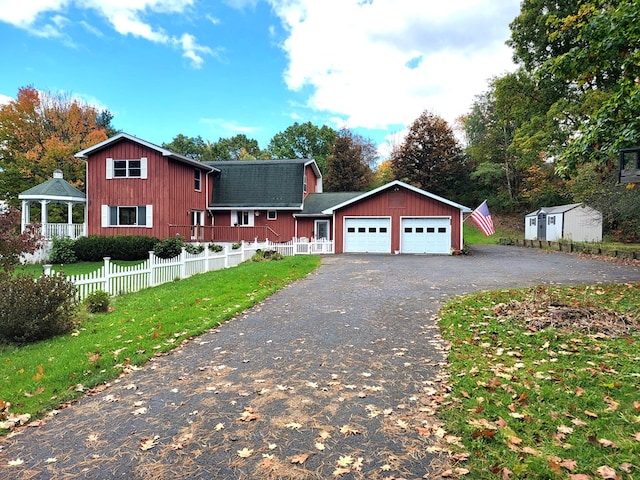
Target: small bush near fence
{"type": "Point", "coordinates": [120, 247]}
{"type": "Point", "coordinates": [266, 255]}
{"type": "Point", "coordinates": [168, 248]}
{"type": "Point", "coordinates": [62, 250]}
{"type": "Point", "coordinates": [215, 248]}
{"type": "Point", "coordinates": [98, 302]}
{"type": "Point", "coordinates": [33, 310]}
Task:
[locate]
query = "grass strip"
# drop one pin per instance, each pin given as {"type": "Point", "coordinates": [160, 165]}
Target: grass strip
{"type": "Point", "coordinates": [559, 400]}
{"type": "Point", "coordinates": [38, 377]}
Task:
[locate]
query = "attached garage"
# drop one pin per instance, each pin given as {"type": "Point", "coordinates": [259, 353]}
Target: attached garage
{"type": "Point", "coordinates": [367, 235]}
{"type": "Point", "coordinates": [397, 218]}
{"type": "Point", "coordinates": [425, 235]}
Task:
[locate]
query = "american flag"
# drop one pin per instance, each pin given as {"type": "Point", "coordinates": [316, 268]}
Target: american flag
{"type": "Point", "coordinates": [481, 216]}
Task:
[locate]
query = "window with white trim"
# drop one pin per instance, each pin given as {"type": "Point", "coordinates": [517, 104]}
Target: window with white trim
{"type": "Point", "coordinates": [126, 168]}
{"type": "Point", "coordinates": [127, 216]}
{"type": "Point", "coordinates": [197, 179]}
{"type": "Point", "coordinates": [272, 215]}
{"type": "Point", "coordinates": [243, 218]}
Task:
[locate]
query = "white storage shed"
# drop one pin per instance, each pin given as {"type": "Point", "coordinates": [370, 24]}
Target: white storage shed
{"type": "Point", "coordinates": [574, 222]}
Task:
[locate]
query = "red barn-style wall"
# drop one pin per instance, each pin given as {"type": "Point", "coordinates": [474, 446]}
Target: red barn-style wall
{"type": "Point", "coordinates": [169, 188]}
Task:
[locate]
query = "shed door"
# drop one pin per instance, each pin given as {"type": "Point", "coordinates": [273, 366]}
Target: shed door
{"type": "Point", "coordinates": [542, 226]}
{"type": "Point", "coordinates": [367, 235]}
{"type": "Point", "coordinates": [425, 235]}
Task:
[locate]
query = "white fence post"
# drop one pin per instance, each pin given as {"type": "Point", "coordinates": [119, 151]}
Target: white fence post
{"type": "Point", "coordinates": [47, 270]}
{"type": "Point", "coordinates": [183, 263]}
{"type": "Point", "coordinates": [151, 270]}
{"type": "Point", "coordinates": [107, 274]}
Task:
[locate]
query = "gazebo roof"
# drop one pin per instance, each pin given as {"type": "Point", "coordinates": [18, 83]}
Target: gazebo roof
{"type": "Point", "coordinates": [56, 189]}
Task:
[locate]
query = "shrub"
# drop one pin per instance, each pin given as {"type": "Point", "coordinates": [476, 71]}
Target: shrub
{"type": "Point", "coordinates": [266, 255]}
{"type": "Point", "coordinates": [193, 249]}
{"type": "Point", "coordinates": [98, 302]}
{"type": "Point", "coordinates": [214, 247]}
{"type": "Point", "coordinates": [63, 250]}
{"type": "Point", "coordinates": [168, 248]}
{"type": "Point", "coordinates": [236, 246]}
{"type": "Point", "coordinates": [120, 247]}
{"type": "Point", "coordinates": [33, 310]}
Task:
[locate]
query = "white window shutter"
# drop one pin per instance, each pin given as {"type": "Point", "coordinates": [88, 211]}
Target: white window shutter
{"type": "Point", "coordinates": [143, 167]}
{"type": "Point", "coordinates": [149, 216]}
{"type": "Point", "coordinates": [105, 216]}
{"type": "Point", "coordinates": [109, 168]}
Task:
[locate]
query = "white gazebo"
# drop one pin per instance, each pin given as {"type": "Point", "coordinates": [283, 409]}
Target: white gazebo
{"type": "Point", "coordinates": [56, 190]}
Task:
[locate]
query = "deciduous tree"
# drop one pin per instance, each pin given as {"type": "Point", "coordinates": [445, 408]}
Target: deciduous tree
{"type": "Point", "coordinates": [12, 242]}
{"type": "Point", "coordinates": [39, 133]}
{"type": "Point", "coordinates": [304, 140]}
{"type": "Point", "coordinates": [349, 163]}
{"type": "Point", "coordinates": [430, 158]}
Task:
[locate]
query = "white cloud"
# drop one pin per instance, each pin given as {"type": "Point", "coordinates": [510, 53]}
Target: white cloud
{"type": "Point", "coordinates": [125, 16]}
{"type": "Point", "coordinates": [4, 99]}
{"type": "Point", "coordinates": [381, 63]}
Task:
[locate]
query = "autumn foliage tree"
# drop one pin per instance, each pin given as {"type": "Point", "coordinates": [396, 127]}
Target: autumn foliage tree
{"type": "Point", "coordinates": [349, 163]}
{"type": "Point", "coordinates": [39, 133]}
{"type": "Point", "coordinates": [431, 159]}
{"type": "Point", "coordinates": [13, 243]}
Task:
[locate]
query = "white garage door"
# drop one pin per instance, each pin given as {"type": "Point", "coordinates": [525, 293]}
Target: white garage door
{"type": "Point", "coordinates": [425, 235]}
{"type": "Point", "coordinates": [367, 234]}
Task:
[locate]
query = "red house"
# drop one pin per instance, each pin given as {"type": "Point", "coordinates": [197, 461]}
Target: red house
{"type": "Point", "coordinates": [137, 188]}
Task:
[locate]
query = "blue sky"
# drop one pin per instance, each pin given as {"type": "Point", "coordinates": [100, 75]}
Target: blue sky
{"type": "Point", "coordinates": [220, 68]}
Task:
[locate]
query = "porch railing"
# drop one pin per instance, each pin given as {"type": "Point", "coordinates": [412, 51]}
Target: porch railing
{"type": "Point", "coordinates": [71, 230]}
{"type": "Point", "coordinates": [199, 233]}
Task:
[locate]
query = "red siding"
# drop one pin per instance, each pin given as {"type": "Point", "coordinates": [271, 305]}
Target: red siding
{"type": "Point", "coordinates": [169, 187]}
{"type": "Point", "coordinates": [396, 204]}
{"type": "Point", "coordinates": [282, 229]}
{"type": "Point", "coordinates": [311, 180]}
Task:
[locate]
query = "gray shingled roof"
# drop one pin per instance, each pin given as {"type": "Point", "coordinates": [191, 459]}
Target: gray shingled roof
{"type": "Point", "coordinates": [55, 189]}
{"type": "Point", "coordinates": [315, 203]}
{"type": "Point", "coordinates": [556, 209]}
{"type": "Point", "coordinates": [259, 184]}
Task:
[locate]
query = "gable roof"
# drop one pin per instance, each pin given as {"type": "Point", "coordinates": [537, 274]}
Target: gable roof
{"type": "Point", "coordinates": [395, 183]}
{"type": "Point", "coordinates": [55, 189]}
{"type": "Point", "coordinates": [316, 203]}
{"type": "Point", "coordinates": [84, 154]}
{"type": "Point", "coordinates": [557, 209]}
{"type": "Point", "coordinates": [260, 184]}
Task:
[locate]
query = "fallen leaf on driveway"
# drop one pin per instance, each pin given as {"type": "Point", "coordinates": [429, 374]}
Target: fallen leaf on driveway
{"type": "Point", "coordinates": [245, 453]}
{"type": "Point", "coordinates": [148, 443]}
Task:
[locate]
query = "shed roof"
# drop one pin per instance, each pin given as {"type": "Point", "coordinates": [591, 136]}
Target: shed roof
{"type": "Point", "coordinates": [396, 183]}
{"type": "Point", "coordinates": [56, 189]}
{"type": "Point", "coordinates": [125, 136]}
{"type": "Point", "coordinates": [556, 209]}
{"type": "Point", "coordinates": [260, 184]}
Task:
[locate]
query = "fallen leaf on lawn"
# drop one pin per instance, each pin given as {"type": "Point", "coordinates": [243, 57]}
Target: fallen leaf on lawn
{"type": "Point", "coordinates": [349, 430]}
{"type": "Point", "coordinates": [607, 472]}
{"type": "Point", "coordinates": [626, 467]}
{"type": "Point", "coordinates": [506, 473]}
{"type": "Point", "coordinates": [613, 405]}
{"type": "Point", "coordinates": [569, 464]}
{"type": "Point", "coordinates": [460, 457]}
{"type": "Point", "coordinates": [590, 414]}
{"type": "Point", "coordinates": [15, 463]}
{"type": "Point", "coordinates": [148, 443]}
{"type": "Point", "coordinates": [636, 405]}
{"type": "Point", "coordinates": [319, 446]}
{"type": "Point", "coordinates": [245, 453]}
{"type": "Point", "coordinates": [607, 443]}
{"type": "Point", "coordinates": [293, 425]}
{"type": "Point", "coordinates": [530, 451]}
{"type": "Point", "coordinates": [578, 422]}
{"type": "Point", "coordinates": [300, 458]}
{"type": "Point", "coordinates": [345, 461]}
{"type": "Point", "coordinates": [564, 429]}
{"type": "Point", "coordinates": [579, 391]}
{"type": "Point", "coordinates": [579, 476]}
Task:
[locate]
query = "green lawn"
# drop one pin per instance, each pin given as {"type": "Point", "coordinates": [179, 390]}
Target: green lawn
{"type": "Point", "coordinates": [544, 403]}
{"type": "Point", "coordinates": [38, 377]}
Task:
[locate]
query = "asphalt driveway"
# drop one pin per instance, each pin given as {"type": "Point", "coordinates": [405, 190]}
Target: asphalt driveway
{"type": "Point", "coordinates": [335, 376]}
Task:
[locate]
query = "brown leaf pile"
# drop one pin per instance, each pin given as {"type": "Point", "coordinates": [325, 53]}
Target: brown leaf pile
{"type": "Point", "coordinates": [538, 314]}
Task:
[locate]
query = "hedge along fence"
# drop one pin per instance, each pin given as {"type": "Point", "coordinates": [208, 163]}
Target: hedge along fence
{"type": "Point", "coordinates": [570, 247]}
{"type": "Point", "coordinates": [118, 280]}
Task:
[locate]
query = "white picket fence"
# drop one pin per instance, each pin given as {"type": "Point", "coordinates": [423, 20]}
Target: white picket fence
{"type": "Point", "coordinates": [117, 279]}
